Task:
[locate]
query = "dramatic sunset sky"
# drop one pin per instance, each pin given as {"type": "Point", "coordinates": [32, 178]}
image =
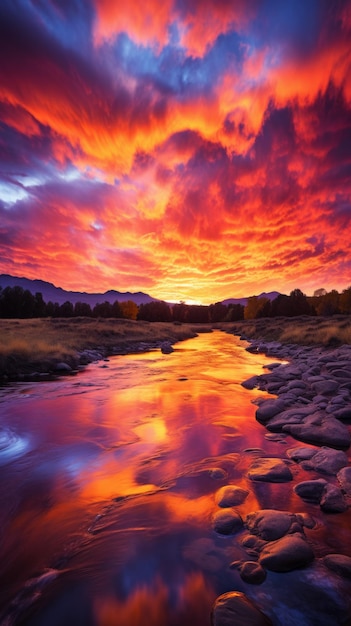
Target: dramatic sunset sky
{"type": "Point", "coordinates": [192, 149]}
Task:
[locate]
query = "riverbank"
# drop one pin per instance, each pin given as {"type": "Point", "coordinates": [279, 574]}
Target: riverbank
{"type": "Point", "coordinates": [40, 349]}
{"type": "Point", "coordinates": [302, 330]}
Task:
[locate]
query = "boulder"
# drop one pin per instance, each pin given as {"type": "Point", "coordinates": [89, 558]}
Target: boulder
{"type": "Point", "coordinates": [321, 430]}
{"type": "Point", "coordinates": [311, 490]}
{"type": "Point", "coordinates": [166, 347]}
{"type": "Point", "coordinates": [268, 409]}
{"type": "Point", "coordinates": [332, 500]}
{"type": "Point", "coordinates": [301, 454]}
{"type": "Point", "coordinates": [252, 572]}
{"type": "Point", "coordinates": [339, 563]}
{"type": "Point", "coordinates": [230, 495]}
{"type": "Point", "coordinates": [327, 461]}
{"type": "Point", "coordinates": [286, 554]}
{"type": "Point", "coordinates": [227, 522]}
{"type": "Point", "coordinates": [344, 478]}
{"type": "Point", "coordinates": [62, 367]}
{"type": "Point", "coordinates": [270, 525]}
{"type": "Point", "coordinates": [270, 470]}
{"type": "Point", "coordinates": [235, 609]}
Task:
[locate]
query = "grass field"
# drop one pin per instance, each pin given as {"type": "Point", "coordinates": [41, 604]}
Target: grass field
{"type": "Point", "coordinates": [36, 345]}
{"type": "Point", "coordinates": [304, 330]}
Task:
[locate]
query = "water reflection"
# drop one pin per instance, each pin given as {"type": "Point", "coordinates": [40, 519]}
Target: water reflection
{"type": "Point", "coordinates": [107, 518]}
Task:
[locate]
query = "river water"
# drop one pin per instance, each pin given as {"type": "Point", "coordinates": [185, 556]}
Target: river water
{"type": "Point", "coordinates": [108, 483]}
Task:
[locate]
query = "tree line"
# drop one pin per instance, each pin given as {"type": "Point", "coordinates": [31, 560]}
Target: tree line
{"type": "Point", "coordinates": [16, 302]}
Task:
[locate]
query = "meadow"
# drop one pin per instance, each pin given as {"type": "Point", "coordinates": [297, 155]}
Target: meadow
{"type": "Point", "coordinates": [37, 345]}
{"type": "Point", "coordinates": [305, 330]}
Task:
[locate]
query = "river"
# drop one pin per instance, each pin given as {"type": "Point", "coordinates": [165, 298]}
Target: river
{"type": "Point", "coordinates": [108, 482]}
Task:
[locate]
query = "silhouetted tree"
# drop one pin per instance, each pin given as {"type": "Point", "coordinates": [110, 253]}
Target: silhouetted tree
{"type": "Point", "coordinates": [155, 312]}
{"type": "Point", "coordinates": [66, 309]}
{"type": "Point", "coordinates": [39, 305]}
{"type": "Point", "coordinates": [180, 312]}
{"type": "Point", "coordinates": [218, 312]}
{"type": "Point", "coordinates": [102, 309]}
{"type": "Point", "coordinates": [82, 309]}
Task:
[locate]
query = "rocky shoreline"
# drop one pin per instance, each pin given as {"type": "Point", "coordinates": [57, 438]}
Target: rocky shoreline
{"type": "Point", "coordinates": [313, 404]}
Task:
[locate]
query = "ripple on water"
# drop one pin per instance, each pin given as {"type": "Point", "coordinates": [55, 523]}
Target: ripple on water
{"type": "Point", "coordinates": [11, 445]}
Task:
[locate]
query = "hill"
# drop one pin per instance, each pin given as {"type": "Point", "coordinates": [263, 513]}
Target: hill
{"type": "Point", "coordinates": [56, 294]}
{"type": "Point", "coordinates": [271, 295]}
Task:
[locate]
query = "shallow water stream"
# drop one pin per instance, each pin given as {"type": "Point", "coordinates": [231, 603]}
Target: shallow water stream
{"type": "Point", "coordinates": [108, 483]}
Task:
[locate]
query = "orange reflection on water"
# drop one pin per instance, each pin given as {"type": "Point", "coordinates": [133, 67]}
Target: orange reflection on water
{"type": "Point", "coordinates": [153, 605]}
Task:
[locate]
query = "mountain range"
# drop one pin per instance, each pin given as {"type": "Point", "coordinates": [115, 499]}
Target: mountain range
{"type": "Point", "coordinates": [59, 295]}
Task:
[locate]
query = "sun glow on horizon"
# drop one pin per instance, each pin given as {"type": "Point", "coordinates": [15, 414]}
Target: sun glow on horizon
{"type": "Point", "coordinates": [183, 150]}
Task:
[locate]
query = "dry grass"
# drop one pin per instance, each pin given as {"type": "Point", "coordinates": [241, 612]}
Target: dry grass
{"type": "Point", "coordinates": [304, 330]}
{"type": "Point", "coordinates": [36, 343]}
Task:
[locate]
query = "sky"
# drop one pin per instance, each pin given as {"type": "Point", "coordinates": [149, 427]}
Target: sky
{"type": "Point", "coordinates": [195, 150]}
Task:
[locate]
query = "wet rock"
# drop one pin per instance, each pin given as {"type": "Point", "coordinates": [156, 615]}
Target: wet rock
{"type": "Point", "coordinates": [227, 522]}
{"type": "Point", "coordinates": [311, 490]}
{"type": "Point", "coordinates": [344, 478]}
{"type": "Point", "coordinates": [295, 415]}
{"type": "Point", "coordinates": [269, 409]}
{"type": "Point", "coordinates": [286, 554]}
{"type": "Point", "coordinates": [333, 500]}
{"type": "Point", "coordinates": [166, 347]}
{"type": "Point", "coordinates": [251, 383]}
{"type": "Point", "coordinates": [218, 473]}
{"type": "Point", "coordinates": [301, 454]}
{"type": "Point", "coordinates": [343, 414]}
{"type": "Point", "coordinates": [270, 525]}
{"type": "Point", "coordinates": [250, 571]}
{"type": "Point", "coordinates": [339, 563]}
{"type": "Point", "coordinates": [269, 470]}
{"type": "Point", "coordinates": [327, 461]}
{"type": "Point", "coordinates": [321, 430]}
{"type": "Point", "coordinates": [230, 495]}
{"type": "Point", "coordinates": [325, 386]}
{"type": "Point", "coordinates": [253, 544]}
{"type": "Point", "coordinates": [62, 367]}
{"type": "Point", "coordinates": [235, 609]}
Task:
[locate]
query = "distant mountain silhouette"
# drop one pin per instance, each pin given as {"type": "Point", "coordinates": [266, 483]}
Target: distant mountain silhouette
{"type": "Point", "coordinates": [271, 295]}
{"type": "Point", "coordinates": [56, 294]}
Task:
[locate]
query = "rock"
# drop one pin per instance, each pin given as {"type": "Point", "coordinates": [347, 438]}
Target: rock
{"type": "Point", "coordinates": [252, 572]}
{"type": "Point", "coordinates": [230, 495]}
{"type": "Point", "coordinates": [253, 544]}
{"type": "Point", "coordinates": [218, 473]}
{"type": "Point", "coordinates": [343, 414]}
{"type": "Point", "coordinates": [311, 490]}
{"type": "Point", "coordinates": [269, 409]}
{"type": "Point", "coordinates": [62, 367]}
{"type": "Point", "coordinates": [235, 609]}
{"type": "Point", "coordinates": [227, 522]}
{"type": "Point", "coordinates": [333, 500]}
{"type": "Point", "coordinates": [327, 461]}
{"type": "Point", "coordinates": [344, 478]}
{"type": "Point", "coordinates": [251, 383]}
{"type": "Point", "coordinates": [301, 454]}
{"type": "Point", "coordinates": [270, 525]}
{"type": "Point", "coordinates": [321, 430]}
{"type": "Point", "coordinates": [286, 554]}
{"type": "Point", "coordinates": [270, 470]}
{"type": "Point", "coordinates": [166, 347]}
{"type": "Point", "coordinates": [325, 386]}
{"type": "Point", "coordinates": [339, 564]}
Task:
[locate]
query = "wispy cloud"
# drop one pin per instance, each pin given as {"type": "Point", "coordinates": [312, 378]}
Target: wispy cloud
{"type": "Point", "coordinates": [195, 149]}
